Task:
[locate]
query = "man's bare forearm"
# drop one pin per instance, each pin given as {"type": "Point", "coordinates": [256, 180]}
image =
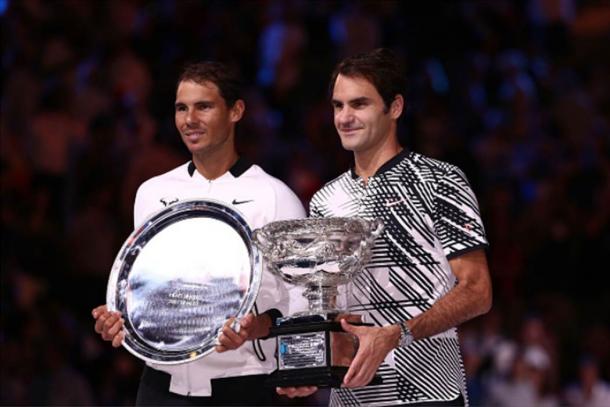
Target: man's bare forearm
{"type": "Point", "coordinates": [471, 297]}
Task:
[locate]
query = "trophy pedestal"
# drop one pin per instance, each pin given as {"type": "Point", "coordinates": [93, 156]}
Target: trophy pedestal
{"type": "Point", "coordinates": [315, 376]}
{"type": "Point", "coordinates": [312, 351]}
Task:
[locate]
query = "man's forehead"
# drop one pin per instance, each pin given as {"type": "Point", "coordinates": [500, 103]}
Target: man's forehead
{"type": "Point", "coordinates": [354, 87]}
{"type": "Point", "coordinates": [205, 84]}
{"type": "Point", "coordinates": [191, 89]}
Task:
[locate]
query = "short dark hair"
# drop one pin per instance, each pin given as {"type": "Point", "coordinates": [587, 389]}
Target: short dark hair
{"type": "Point", "coordinates": [381, 67]}
{"type": "Point", "coordinates": [224, 76]}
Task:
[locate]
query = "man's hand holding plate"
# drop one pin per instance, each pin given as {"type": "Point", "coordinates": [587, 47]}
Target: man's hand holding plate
{"type": "Point", "coordinates": [250, 327]}
{"type": "Point", "coordinates": [109, 325]}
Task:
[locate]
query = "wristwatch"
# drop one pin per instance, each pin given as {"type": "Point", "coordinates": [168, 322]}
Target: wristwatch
{"type": "Point", "coordinates": [406, 337]}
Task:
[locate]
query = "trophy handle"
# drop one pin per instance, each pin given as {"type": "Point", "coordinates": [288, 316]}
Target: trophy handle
{"type": "Point", "coordinates": [377, 227]}
{"type": "Point", "coordinates": [261, 240]}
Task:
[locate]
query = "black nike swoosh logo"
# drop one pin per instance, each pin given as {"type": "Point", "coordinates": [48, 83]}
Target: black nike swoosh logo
{"type": "Point", "coordinates": [236, 202]}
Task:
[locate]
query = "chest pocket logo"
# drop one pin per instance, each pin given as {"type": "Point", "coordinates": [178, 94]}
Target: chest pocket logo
{"type": "Point", "coordinates": [168, 201]}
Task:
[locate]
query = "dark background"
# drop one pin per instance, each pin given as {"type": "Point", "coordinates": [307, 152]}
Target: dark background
{"type": "Point", "coordinates": [517, 93]}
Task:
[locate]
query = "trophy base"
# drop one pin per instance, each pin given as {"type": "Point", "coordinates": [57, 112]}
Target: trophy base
{"type": "Point", "coordinates": [312, 376]}
{"type": "Point", "coordinates": [312, 351]}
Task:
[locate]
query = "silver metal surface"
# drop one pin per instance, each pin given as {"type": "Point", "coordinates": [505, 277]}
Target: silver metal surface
{"type": "Point", "coordinates": [179, 277]}
{"type": "Point", "coordinates": [319, 253]}
{"type": "Point", "coordinates": [302, 350]}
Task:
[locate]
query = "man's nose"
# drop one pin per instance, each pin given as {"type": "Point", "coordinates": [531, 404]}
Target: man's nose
{"type": "Point", "coordinates": [345, 115]}
{"type": "Point", "coordinates": [191, 118]}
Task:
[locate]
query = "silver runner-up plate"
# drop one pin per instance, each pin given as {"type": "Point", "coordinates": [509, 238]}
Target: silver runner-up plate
{"type": "Point", "coordinates": [180, 276]}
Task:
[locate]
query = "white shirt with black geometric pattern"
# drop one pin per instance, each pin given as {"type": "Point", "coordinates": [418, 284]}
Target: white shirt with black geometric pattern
{"type": "Point", "coordinates": [430, 215]}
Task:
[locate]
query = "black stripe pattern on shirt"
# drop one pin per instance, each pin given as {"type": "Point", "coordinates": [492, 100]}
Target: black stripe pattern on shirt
{"type": "Point", "coordinates": [430, 214]}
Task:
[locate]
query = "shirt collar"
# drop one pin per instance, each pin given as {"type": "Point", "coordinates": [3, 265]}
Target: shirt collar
{"type": "Point", "coordinates": [237, 169]}
{"type": "Point", "coordinates": [387, 166]}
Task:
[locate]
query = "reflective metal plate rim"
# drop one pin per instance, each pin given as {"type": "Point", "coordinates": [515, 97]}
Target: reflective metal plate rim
{"type": "Point", "coordinates": [118, 284]}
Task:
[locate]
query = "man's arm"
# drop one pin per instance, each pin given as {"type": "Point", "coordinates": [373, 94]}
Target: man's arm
{"type": "Point", "coordinates": [469, 298]}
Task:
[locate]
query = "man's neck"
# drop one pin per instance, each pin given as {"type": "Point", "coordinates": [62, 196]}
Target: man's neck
{"type": "Point", "coordinates": [212, 166]}
{"type": "Point", "coordinates": [368, 162]}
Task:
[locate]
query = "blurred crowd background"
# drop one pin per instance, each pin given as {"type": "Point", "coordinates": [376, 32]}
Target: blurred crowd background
{"type": "Point", "coordinates": [517, 93]}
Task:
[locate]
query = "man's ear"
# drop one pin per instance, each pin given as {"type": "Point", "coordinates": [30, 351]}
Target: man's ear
{"type": "Point", "coordinates": [237, 110]}
{"type": "Point", "coordinates": [397, 106]}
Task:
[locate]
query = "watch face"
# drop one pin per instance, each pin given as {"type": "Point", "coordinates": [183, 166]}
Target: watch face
{"type": "Point", "coordinates": [180, 276]}
{"type": "Point", "coordinates": [405, 335]}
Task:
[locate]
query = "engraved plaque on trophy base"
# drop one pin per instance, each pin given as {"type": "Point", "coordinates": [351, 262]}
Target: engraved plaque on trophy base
{"type": "Point", "coordinates": [312, 351]}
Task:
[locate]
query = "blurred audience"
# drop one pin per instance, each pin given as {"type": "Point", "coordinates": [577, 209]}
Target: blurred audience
{"type": "Point", "coordinates": [589, 390]}
{"type": "Point", "coordinates": [516, 93]}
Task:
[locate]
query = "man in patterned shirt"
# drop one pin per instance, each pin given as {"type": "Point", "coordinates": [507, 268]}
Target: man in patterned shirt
{"type": "Point", "coordinates": [428, 272]}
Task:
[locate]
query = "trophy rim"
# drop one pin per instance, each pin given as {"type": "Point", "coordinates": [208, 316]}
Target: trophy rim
{"type": "Point", "coordinates": [150, 227]}
{"type": "Point", "coordinates": [304, 231]}
{"type": "Point", "coordinates": [351, 222]}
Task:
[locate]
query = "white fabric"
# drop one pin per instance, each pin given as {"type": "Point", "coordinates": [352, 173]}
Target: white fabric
{"type": "Point", "coordinates": [268, 200]}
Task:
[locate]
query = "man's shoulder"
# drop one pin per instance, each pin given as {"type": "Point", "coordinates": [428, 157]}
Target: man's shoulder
{"type": "Point", "coordinates": [421, 162]}
{"type": "Point", "coordinates": [333, 183]}
{"type": "Point", "coordinates": [257, 174]}
{"type": "Point", "coordinates": [427, 168]}
{"type": "Point", "coordinates": [274, 193]}
{"type": "Point", "coordinates": [336, 190]}
{"type": "Point", "coordinates": [163, 182]}
{"type": "Point", "coordinates": [261, 178]}
{"type": "Point", "coordinates": [177, 174]}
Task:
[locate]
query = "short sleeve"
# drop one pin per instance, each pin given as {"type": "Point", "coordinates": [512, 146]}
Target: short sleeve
{"type": "Point", "coordinates": [144, 205]}
{"type": "Point", "coordinates": [287, 204]}
{"type": "Point", "coordinates": [139, 207]}
{"type": "Point", "coordinates": [457, 218]}
{"type": "Point", "coordinates": [314, 209]}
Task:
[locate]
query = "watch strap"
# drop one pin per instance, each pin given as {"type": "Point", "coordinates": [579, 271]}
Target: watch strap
{"type": "Point", "coordinates": [406, 337]}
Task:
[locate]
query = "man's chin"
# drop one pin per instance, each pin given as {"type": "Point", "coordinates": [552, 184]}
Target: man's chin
{"type": "Point", "coordinates": [349, 146]}
{"type": "Point", "coordinates": [195, 150]}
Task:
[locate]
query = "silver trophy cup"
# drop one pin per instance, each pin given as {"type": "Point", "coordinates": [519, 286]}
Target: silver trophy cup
{"type": "Point", "coordinates": [323, 255]}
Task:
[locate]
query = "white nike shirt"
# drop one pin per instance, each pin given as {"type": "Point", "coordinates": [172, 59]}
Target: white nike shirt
{"type": "Point", "coordinates": [261, 199]}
